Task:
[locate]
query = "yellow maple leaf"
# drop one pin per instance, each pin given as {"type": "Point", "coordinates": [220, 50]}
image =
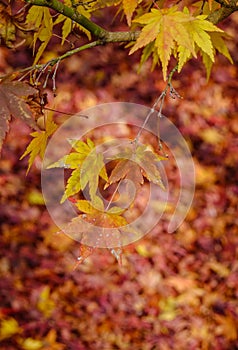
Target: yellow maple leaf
{"type": "Point", "coordinates": [32, 344]}
{"type": "Point", "coordinates": [41, 19]}
{"type": "Point", "coordinates": [198, 29]}
{"type": "Point", "coordinates": [166, 28]}
{"type": "Point", "coordinates": [98, 226]}
{"type": "Point", "coordinates": [168, 32]}
{"type": "Point", "coordinates": [129, 7]}
{"type": "Point", "coordinates": [69, 25]}
{"type": "Point", "coordinates": [219, 45]}
{"type": "Point", "coordinates": [152, 22]}
{"type": "Point", "coordinates": [88, 166]}
{"type": "Point", "coordinates": [45, 303]}
{"type": "Point", "coordinates": [8, 328]}
{"type": "Point", "coordinates": [38, 145]}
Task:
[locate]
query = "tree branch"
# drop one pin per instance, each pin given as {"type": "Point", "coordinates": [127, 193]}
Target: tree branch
{"type": "Point", "coordinates": [222, 13]}
{"type": "Point", "coordinates": [103, 36]}
{"type": "Point", "coordinates": [111, 37]}
{"type": "Point", "coordinates": [96, 31]}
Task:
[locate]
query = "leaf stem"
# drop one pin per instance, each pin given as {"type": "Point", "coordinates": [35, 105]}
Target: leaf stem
{"type": "Point", "coordinates": [160, 99]}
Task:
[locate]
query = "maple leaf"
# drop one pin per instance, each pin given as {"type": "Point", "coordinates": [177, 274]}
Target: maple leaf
{"type": "Point", "coordinates": [92, 228]}
{"type": "Point", "coordinates": [8, 328]}
{"type": "Point", "coordinates": [219, 44]}
{"type": "Point", "coordinates": [69, 25]}
{"type": "Point", "coordinates": [74, 161]}
{"type": "Point", "coordinates": [135, 164]}
{"type": "Point", "coordinates": [129, 7]}
{"type": "Point", "coordinates": [147, 160]}
{"type": "Point", "coordinates": [128, 169]}
{"type": "Point", "coordinates": [152, 22]}
{"type": "Point", "coordinates": [207, 38]}
{"type": "Point", "coordinates": [73, 185]}
{"type": "Point", "coordinates": [40, 18]}
{"type": "Point", "coordinates": [177, 33]}
{"type": "Point", "coordinates": [88, 166]}
{"type": "Point", "coordinates": [166, 28]}
{"type": "Point", "coordinates": [198, 29]}
{"type": "Point", "coordinates": [92, 168]}
{"type": "Point", "coordinates": [38, 145]}
{"type": "Point", "coordinates": [99, 216]}
{"type": "Point", "coordinates": [14, 101]}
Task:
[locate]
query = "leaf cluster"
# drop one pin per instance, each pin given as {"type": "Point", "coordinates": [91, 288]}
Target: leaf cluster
{"type": "Point", "coordinates": [89, 169]}
{"type": "Point", "coordinates": [168, 33]}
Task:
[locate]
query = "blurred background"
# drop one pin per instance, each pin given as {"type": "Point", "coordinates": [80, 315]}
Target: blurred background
{"type": "Point", "coordinates": [172, 291]}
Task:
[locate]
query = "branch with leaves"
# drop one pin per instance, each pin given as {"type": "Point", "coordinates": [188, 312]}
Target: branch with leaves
{"type": "Point", "coordinates": [224, 11]}
{"type": "Point", "coordinates": [167, 32]}
{"type": "Point", "coordinates": [161, 31]}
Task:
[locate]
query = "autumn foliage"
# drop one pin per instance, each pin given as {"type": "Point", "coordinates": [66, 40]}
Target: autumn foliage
{"type": "Point", "coordinates": [166, 291]}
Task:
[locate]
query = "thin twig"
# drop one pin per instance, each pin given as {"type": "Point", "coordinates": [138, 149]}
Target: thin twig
{"type": "Point", "coordinates": [160, 100]}
{"type": "Point", "coordinates": [54, 75]}
{"type": "Point", "coordinates": [65, 113]}
{"type": "Point", "coordinates": [47, 77]}
{"type": "Point", "coordinates": [52, 62]}
{"type": "Point", "coordinates": [41, 72]}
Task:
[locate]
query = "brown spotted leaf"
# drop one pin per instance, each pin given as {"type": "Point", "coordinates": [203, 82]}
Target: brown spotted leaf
{"type": "Point", "coordinates": [127, 169]}
{"type": "Point", "coordinates": [98, 226]}
{"type": "Point", "coordinates": [14, 101]}
{"type": "Point", "coordinates": [135, 164]}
